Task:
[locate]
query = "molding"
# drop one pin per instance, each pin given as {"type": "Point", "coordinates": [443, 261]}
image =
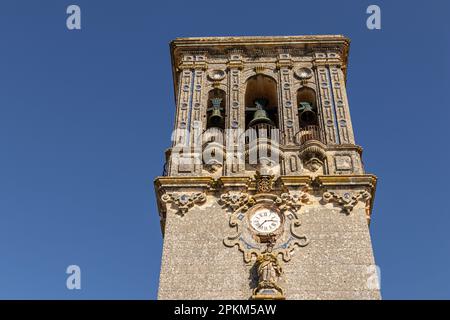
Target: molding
{"type": "Point", "coordinates": [295, 181]}
{"type": "Point", "coordinates": [368, 180]}
{"type": "Point", "coordinates": [183, 181]}
{"type": "Point", "coordinates": [234, 181]}
{"type": "Point", "coordinates": [284, 184]}
{"type": "Point", "coordinates": [256, 46]}
{"type": "Point", "coordinates": [247, 182]}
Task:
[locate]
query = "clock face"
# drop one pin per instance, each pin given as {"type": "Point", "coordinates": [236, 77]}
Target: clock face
{"type": "Point", "coordinates": [265, 220]}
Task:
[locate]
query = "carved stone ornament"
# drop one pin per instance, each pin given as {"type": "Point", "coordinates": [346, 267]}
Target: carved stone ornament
{"type": "Point", "coordinates": [269, 270]}
{"type": "Point", "coordinates": [294, 200]}
{"type": "Point", "coordinates": [264, 182]}
{"type": "Point", "coordinates": [245, 238]}
{"type": "Point", "coordinates": [213, 166]}
{"type": "Point", "coordinates": [184, 201]}
{"type": "Point", "coordinates": [236, 200]}
{"type": "Point", "coordinates": [304, 73]}
{"type": "Point", "coordinates": [216, 75]}
{"type": "Point", "coordinates": [313, 157]}
{"type": "Point", "coordinates": [313, 164]}
{"type": "Point", "coordinates": [346, 200]}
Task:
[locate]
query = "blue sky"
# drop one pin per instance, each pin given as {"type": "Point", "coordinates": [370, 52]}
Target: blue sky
{"type": "Point", "coordinates": [85, 117]}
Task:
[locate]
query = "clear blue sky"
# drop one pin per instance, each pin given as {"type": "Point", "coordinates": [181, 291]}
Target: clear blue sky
{"type": "Point", "coordinates": [85, 117]}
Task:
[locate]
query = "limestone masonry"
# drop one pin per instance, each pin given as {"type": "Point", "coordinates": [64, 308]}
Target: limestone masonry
{"type": "Point", "coordinates": [264, 194]}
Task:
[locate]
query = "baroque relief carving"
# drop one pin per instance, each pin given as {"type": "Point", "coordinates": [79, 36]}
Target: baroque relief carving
{"type": "Point", "coordinates": [346, 200]}
{"type": "Point", "coordinates": [250, 248]}
{"type": "Point", "coordinates": [294, 200]}
{"type": "Point", "coordinates": [284, 241]}
{"type": "Point", "coordinates": [264, 182]}
{"type": "Point", "coordinates": [343, 162]}
{"type": "Point", "coordinates": [236, 200]}
{"type": "Point", "coordinates": [184, 201]}
{"type": "Point", "coordinates": [313, 157]}
{"type": "Point", "coordinates": [304, 73]}
{"type": "Point", "coordinates": [213, 166]}
{"type": "Point", "coordinates": [216, 75]}
{"type": "Point", "coordinates": [269, 271]}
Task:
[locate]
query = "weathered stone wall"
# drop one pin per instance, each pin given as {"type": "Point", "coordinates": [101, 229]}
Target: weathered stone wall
{"type": "Point", "coordinates": [195, 263]}
{"type": "Point", "coordinates": [336, 264]}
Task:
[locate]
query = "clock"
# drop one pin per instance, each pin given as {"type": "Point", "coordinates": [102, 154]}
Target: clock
{"type": "Point", "coordinates": [265, 220]}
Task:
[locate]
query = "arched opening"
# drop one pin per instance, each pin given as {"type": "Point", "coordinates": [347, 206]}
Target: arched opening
{"type": "Point", "coordinates": [261, 102]}
{"type": "Point", "coordinates": [308, 117]}
{"type": "Point", "coordinates": [261, 121]}
{"type": "Point", "coordinates": [307, 107]}
{"type": "Point", "coordinates": [215, 112]}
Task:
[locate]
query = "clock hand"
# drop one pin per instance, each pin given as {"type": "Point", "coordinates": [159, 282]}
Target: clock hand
{"type": "Point", "coordinates": [265, 222]}
{"type": "Point", "coordinates": [262, 223]}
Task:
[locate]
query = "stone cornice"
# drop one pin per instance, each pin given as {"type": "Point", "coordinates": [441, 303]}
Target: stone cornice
{"type": "Point", "coordinates": [176, 182]}
{"type": "Point", "coordinates": [296, 181]}
{"type": "Point", "coordinates": [338, 147]}
{"type": "Point", "coordinates": [368, 180]}
{"type": "Point", "coordinates": [206, 182]}
{"type": "Point", "coordinates": [249, 45]}
{"type": "Point", "coordinates": [232, 181]}
{"type": "Point", "coordinates": [300, 147]}
{"type": "Point", "coordinates": [184, 184]}
{"type": "Point", "coordinates": [244, 42]}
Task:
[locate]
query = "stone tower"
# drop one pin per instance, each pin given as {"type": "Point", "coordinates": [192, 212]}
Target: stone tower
{"type": "Point", "coordinates": [264, 194]}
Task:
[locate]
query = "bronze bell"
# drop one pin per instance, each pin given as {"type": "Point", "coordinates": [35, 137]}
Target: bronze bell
{"type": "Point", "coordinates": [260, 115]}
{"type": "Point", "coordinates": [216, 118]}
{"type": "Point", "coordinates": [307, 114]}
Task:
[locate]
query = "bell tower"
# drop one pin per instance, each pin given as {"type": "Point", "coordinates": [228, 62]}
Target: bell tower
{"type": "Point", "coordinates": [264, 193]}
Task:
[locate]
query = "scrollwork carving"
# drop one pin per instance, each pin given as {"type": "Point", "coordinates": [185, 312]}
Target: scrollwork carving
{"type": "Point", "coordinates": [293, 200]}
{"type": "Point", "coordinates": [184, 201]}
{"type": "Point", "coordinates": [347, 200]}
{"type": "Point", "coordinates": [236, 200]}
{"type": "Point", "coordinates": [283, 245]}
{"type": "Point", "coordinates": [264, 182]}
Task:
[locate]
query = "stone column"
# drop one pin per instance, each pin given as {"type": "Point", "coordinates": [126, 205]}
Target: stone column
{"type": "Point", "coordinates": [344, 122]}
{"type": "Point", "coordinates": [236, 117]}
{"type": "Point", "coordinates": [288, 125]}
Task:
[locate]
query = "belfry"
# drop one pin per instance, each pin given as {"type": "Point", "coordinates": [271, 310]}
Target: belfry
{"type": "Point", "coordinates": [264, 193]}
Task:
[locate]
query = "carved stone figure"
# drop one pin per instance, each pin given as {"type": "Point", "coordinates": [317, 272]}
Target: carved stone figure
{"type": "Point", "coordinates": [268, 270]}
